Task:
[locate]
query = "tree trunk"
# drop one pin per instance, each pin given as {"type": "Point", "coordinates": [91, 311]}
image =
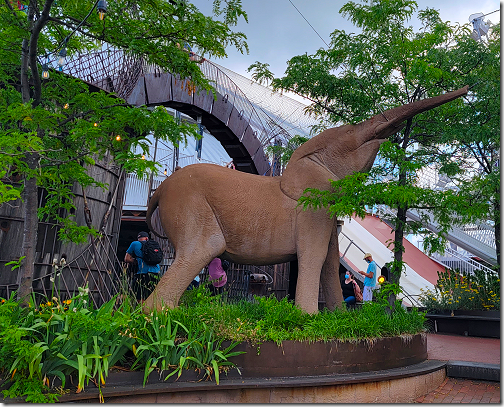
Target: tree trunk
{"type": "Point", "coordinates": [25, 87]}
{"type": "Point", "coordinates": [497, 231]}
{"type": "Point", "coordinates": [400, 223]}
{"type": "Point", "coordinates": [30, 197]}
{"type": "Point", "coordinates": [398, 244]}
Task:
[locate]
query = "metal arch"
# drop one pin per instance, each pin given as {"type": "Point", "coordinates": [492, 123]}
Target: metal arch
{"type": "Point", "coordinates": [113, 69]}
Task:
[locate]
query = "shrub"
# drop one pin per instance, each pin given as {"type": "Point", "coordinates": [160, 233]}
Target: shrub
{"type": "Point", "coordinates": [463, 291]}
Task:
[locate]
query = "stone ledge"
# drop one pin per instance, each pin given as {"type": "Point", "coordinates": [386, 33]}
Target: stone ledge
{"type": "Point", "coordinates": [473, 370]}
{"type": "Point", "coordinates": [464, 317]}
{"type": "Point", "coordinates": [136, 390]}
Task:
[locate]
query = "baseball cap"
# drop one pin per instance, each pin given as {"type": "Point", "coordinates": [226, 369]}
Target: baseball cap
{"type": "Point", "coordinates": [143, 234]}
{"type": "Point", "coordinates": [367, 255]}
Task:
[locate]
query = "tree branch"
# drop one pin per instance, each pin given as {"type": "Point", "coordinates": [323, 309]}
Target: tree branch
{"type": "Point", "coordinates": [476, 156]}
{"type": "Point", "coordinates": [84, 114]}
{"type": "Point", "coordinates": [37, 28]}
{"type": "Point", "coordinates": [9, 6]}
{"type": "Point", "coordinates": [488, 167]}
{"type": "Point", "coordinates": [59, 162]}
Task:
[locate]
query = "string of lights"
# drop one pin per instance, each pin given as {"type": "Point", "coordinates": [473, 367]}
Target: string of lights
{"type": "Point", "coordinates": [101, 6]}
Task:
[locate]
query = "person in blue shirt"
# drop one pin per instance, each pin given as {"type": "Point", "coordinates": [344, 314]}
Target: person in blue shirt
{"type": "Point", "coordinates": [147, 276]}
{"type": "Point", "coordinates": [370, 278]}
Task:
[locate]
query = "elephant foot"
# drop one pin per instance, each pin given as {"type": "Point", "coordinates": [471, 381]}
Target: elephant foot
{"type": "Point", "coordinates": [154, 302]}
{"type": "Point", "coordinates": [309, 307]}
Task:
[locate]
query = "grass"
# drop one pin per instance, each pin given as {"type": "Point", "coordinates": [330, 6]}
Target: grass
{"type": "Point", "coordinates": [74, 338]}
{"type": "Point", "coordinates": [267, 319]}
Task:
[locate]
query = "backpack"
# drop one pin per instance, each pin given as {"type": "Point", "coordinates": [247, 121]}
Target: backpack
{"type": "Point", "coordinates": [151, 252]}
{"type": "Point", "coordinates": [357, 292]}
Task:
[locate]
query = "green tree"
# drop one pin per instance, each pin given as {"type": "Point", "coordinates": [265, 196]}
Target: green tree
{"type": "Point", "coordinates": [475, 130]}
{"type": "Point", "coordinates": [52, 128]}
{"type": "Point", "coordinates": [388, 64]}
{"type": "Point", "coordinates": [284, 153]}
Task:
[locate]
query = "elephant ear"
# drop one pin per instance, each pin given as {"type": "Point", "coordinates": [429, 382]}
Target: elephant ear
{"type": "Point", "coordinates": [306, 172]}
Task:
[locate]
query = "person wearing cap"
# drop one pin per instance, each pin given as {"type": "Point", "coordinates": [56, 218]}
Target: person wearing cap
{"type": "Point", "coordinates": [370, 278]}
{"type": "Point", "coordinates": [147, 276]}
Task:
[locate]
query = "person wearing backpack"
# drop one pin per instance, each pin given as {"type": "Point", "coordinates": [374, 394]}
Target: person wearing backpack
{"type": "Point", "coordinates": [147, 255]}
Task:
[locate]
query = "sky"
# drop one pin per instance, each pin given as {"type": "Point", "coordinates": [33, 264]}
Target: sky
{"type": "Point", "coordinates": [276, 31]}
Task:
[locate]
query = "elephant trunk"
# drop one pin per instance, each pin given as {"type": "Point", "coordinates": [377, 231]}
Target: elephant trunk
{"type": "Point", "coordinates": [392, 120]}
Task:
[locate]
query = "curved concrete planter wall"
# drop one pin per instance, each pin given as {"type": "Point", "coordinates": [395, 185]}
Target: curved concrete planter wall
{"type": "Point", "coordinates": [295, 358]}
{"type": "Point", "coordinates": [387, 370]}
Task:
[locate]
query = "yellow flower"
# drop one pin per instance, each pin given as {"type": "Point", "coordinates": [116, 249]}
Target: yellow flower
{"type": "Point", "coordinates": [49, 303]}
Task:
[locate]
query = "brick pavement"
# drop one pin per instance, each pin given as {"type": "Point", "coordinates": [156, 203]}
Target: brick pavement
{"type": "Point", "coordinates": [463, 348]}
{"type": "Point", "coordinates": [463, 391]}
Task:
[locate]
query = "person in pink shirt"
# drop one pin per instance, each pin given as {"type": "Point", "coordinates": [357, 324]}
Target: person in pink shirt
{"type": "Point", "coordinates": [218, 276]}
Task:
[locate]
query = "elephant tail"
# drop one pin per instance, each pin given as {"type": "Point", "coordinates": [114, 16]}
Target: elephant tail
{"type": "Point", "coordinates": [153, 204]}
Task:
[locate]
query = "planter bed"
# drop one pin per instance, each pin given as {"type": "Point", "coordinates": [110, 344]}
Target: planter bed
{"type": "Point", "coordinates": [295, 362]}
{"type": "Point", "coordinates": [294, 358]}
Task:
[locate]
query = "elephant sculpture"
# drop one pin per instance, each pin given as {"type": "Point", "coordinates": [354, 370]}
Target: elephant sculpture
{"type": "Point", "coordinates": [211, 211]}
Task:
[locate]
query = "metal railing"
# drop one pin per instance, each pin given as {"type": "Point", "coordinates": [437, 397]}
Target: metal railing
{"type": "Point", "coordinates": [97, 268]}
{"type": "Point", "coordinates": [475, 245]}
{"type": "Point", "coordinates": [456, 260]}
{"type": "Point", "coordinates": [351, 243]}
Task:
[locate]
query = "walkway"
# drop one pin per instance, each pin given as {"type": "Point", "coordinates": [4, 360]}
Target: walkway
{"type": "Point", "coordinates": [465, 349]}
{"type": "Point", "coordinates": [455, 390]}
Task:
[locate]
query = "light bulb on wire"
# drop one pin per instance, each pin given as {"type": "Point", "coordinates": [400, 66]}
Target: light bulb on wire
{"type": "Point", "coordinates": [62, 56]}
{"type": "Point", "coordinates": [45, 71]}
{"type": "Point", "coordinates": [165, 172]}
{"type": "Point", "coordinates": [102, 8]}
{"type": "Point", "coordinates": [118, 137]}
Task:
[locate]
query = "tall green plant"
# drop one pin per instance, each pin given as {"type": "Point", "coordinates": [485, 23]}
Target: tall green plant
{"type": "Point", "coordinates": [163, 348]}
{"type": "Point", "coordinates": [55, 340]}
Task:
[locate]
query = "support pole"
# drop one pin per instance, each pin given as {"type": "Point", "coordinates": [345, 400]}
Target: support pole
{"type": "Point", "coordinates": [175, 148]}
{"type": "Point", "coordinates": [199, 143]}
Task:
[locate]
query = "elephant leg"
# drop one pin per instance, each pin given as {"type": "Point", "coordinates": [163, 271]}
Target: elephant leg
{"type": "Point", "coordinates": [175, 281]}
{"type": "Point", "coordinates": [195, 248]}
{"type": "Point", "coordinates": [313, 234]}
{"type": "Point", "coordinates": [329, 278]}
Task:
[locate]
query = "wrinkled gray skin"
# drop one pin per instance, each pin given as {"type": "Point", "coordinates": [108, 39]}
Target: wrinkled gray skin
{"type": "Point", "coordinates": [210, 211]}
